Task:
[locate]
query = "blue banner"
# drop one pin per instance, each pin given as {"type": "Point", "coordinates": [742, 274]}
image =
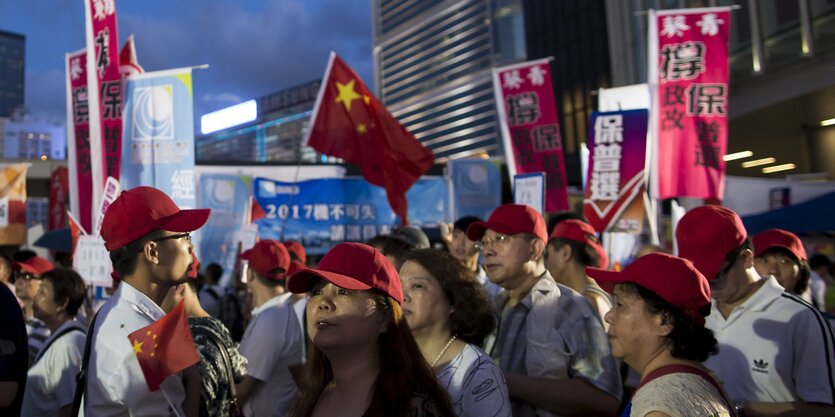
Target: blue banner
{"type": "Point", "coordinates": [158, 134]}
{"type": "Point", "coordinates": [477, 185]}
{"type": "Point", "coordinates": [228, 197]}
{"type": "Point", "coordinates": [322, 213]}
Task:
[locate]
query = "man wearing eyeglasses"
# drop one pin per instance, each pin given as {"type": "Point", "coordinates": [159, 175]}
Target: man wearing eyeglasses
{"type": "Point", "coordinates": [148, 238]}
{"type": "Point", "coordinates": [27, 276]}
{"type": "Point", "coordinates": [775, 351]}
{"type": "Point", "coordinates": [550, 344]}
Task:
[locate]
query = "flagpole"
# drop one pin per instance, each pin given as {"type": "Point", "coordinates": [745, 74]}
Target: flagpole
{"type": "Point", "coordinates": [170, 404]}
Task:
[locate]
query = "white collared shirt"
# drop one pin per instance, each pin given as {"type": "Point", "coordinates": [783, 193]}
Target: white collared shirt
{"type": "Point", "coordinates": [115, 383]}
{"type": "Point", "coordinates": [272, 342]}
{"type": "Point", "coordinates": [773, 347]}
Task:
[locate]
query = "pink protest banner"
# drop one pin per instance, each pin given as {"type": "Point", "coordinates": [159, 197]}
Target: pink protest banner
{"type": "Point", "coordinates": [59, 186]}
{"type": "Point", "coordinates": [78, 139]}
{"type": "Point", "coordinates": [103, 74]}
{"type": "Point", "coordinates": [614, 193]}
{"type": "Point", "coordinates": [530, 128]}
{"type": "Point", "coordinates": [689, 82]}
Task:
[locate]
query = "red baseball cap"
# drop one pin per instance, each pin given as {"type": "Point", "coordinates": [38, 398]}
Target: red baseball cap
{"type": "Point", "coordinates": [778, 238]}
{"type": "Point", "coordinates": [195, 267]}
{"type": "Point", "coordinates": [706, 234]}
{"type": "Point", "coordinates": [510, 219]}
{"type": "Point", "coordinates": [295, 266]}
{"type": "Point", "coordinates": [35, 265]}
{"type": "Point", "coordinates": [674, 279]}
{"type": "Point", "coordinates": [296, 249]}
{"type": "Point", "coordinates": [354, 266]}
{"type": "Point", "coordinates": [141, 210]}
{"type": "Point", "coordinates": [266, 257]}
{"type": "Point", "coordinates": [580, 231]}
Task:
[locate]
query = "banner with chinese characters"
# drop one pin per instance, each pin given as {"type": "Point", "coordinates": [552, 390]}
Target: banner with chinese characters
{"type": "Point", "coordinates": [106, 92]}
{"type": "Point", "coordinates": [78, 139]}
{"type": "Point", "coordinates": [617, 160]}
{"type": "Point", "coordinates": [58, 191]}
{"type": "Point", "coordinates": [228, 198]}
{"type": "Point", "coordinates": [159, 134]}
{"type": "Point", "coordinates": [688, 76]}
{"type": "Point", "coordinates": [530, 128]}
{"type": "Point", "coordinates": [322, 213]}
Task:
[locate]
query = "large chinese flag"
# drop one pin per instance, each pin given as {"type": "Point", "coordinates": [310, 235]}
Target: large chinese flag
{"type": "Point", "coordinates": [350, 123]}
{"type": "Point", "coordinates": [164, 347]}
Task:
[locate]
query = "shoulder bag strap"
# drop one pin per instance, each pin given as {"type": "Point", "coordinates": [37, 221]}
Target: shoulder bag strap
{"type": "Point", "coordinates": [81, 378]}
{"type": "Point", "coordinates": [228, 362]}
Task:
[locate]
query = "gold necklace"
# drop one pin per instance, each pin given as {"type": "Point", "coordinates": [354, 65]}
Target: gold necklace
{"type": "Point", "coordinates": [437, 358]}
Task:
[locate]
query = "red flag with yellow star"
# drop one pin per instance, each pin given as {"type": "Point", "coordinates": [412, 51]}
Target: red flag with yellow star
{"type": "Point", "coordinates": [164, 347]}
{"type": "Point", "coordinates": [350, 123]}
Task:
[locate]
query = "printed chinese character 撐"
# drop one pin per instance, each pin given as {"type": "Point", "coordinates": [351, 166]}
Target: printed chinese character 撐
{"type": "Point", "coordinates": [682, 61]}
{"type": "Point", "coordinates": [523, 108]}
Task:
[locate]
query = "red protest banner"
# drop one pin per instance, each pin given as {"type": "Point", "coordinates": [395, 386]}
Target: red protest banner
{"type": "Point", "coordinates": [530, 127]}
{"type": "Point", "coordinates": [78, 139]}
{"type": "Point", "coordinates": [689, 79]}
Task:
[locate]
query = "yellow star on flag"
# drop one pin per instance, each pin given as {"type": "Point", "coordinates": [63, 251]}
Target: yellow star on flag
{"type": "Point", "coordinates": [347, 94]}
{"type": "Point", "coordinates": [137, 346]}
{"type": "Point", "coordinates": [367, 99]}
{"type": "Point", "coordinates": [361, 128]}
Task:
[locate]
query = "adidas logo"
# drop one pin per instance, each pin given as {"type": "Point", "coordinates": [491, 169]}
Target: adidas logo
{"type": "Point", "coordinates": [760, 366]}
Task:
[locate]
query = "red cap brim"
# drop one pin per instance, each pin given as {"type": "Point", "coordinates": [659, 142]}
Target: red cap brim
{"type": "Point", "coordinates": [28, 268]}
{"type": "Point", "coordinates": [605, 278]}
{"type": "Point", "coordinates": [186, 220]}
{"type": "Point", "coordinates": [476, 230]}
{"type": "Point", "coordinates": [302, 281]}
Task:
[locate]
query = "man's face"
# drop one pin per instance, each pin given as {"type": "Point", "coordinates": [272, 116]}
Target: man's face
{"type": "Point", "coordinates": [732, 284]}
{"type": "Point", "coordinates": [505, 256]}
{"type": "Point", "coordinates": [462, 248]}
{"type": "Point", "coordinates": [174, 251]}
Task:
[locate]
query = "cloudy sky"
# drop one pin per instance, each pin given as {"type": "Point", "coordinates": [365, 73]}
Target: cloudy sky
{"type": "Point", "coordinates": [253, 47]}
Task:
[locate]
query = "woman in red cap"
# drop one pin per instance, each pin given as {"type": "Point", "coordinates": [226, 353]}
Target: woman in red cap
{"type": "Point", "coordinates": [781, 253]}
{"type": "Point", "coordinates": [363, 360]}
{"type": "Point", "coordinates": [657, 328]}
{"type": "Point", "coordinates": [450, 314]}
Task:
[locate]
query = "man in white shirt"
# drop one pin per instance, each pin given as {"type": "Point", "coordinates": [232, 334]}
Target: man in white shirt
{"type": "Point", "coordinates": [148, 238]}
{"type": "Point", "coordinates": [775, 351]}
{"type": "Point", "coordinates": [273, 339]}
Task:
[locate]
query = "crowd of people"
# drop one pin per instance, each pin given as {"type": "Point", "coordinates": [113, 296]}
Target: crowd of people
{"type": "Point", "coordinates": [504, 317]}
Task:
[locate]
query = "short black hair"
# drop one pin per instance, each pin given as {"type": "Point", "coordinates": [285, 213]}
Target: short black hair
{"type": "Point", "coordinates": [463, 223]}
{"type": "Point", "coordinates": [564, 215]}
{"type": "Point", "coordinates": [24, 255]}
{"type": "Point", "coordinates": [580, 252]}
{"type": "Point", "coordinates": [67, 285]}
{"type": "Point", "coordinates": [213, 270]}
{"type": "Point", "coordinates": [817, 260]}
{"type": "Point", "coordinates": [688, 339]}
{"type": "Point", "coordinates": [803, 268]}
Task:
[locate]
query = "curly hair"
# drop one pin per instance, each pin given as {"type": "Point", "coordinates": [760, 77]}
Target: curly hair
{"type": "Point", "coordinates": [688, 339]}
{"type": "Point", "coordinates": [473, 316]}
{"type": "Point", "coordinates": [403, 371]}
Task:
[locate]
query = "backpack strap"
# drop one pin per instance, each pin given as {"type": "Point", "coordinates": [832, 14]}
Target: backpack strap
{"type": "Point", "coordinates": [81, 378]}
{"type": "Point", "coordinates": [213, 293]}
{"type": "Point", "coordinates": [54, 339]}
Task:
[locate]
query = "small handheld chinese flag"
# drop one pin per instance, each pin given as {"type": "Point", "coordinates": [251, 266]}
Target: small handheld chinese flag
{"type": "Point", "coordinates": [256, 212]}
{"type": "Point", "coordinates": [350, 123]}
{"type": "Point", "coordinates": [164, 347]}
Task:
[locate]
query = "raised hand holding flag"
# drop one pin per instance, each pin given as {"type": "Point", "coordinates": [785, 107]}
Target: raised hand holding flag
{"type": "Point", "coordinates": [164, 347]}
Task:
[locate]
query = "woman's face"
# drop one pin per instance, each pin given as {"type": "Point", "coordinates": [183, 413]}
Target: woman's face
{"type": "Point", "coordinates": [633, 331]}
{"type": "Point", "coordinates": [784, 268]}
{"type": "Point", "coordinates": [338, 318]}
{"type": "Point", "coordinates": [425, 306]}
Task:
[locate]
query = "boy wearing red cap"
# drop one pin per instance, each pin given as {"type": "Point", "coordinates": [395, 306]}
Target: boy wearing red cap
{"type": "Point", "coordinates": [775, 351]}
{"type": "Point", "coordinates": [539, 319]}
{"type": "Point", "coordinates": [149, 241]}
{"type": "Point", "coordinates": [273, 339]}
{"type": "Point", "coordinates": [572, 247]}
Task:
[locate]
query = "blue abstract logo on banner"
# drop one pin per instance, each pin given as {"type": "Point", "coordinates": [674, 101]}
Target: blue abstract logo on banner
{"type": "Point", "coordinates": [321, 213]}
{"type": "Point", "coordinates": [477, 185]}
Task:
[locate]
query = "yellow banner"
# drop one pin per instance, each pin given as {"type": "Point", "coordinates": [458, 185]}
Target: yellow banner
{"type": "Point", "coordinates": [13, 204]}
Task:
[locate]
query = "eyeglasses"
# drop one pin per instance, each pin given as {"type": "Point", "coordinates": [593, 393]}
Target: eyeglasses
{"type": "Point", "coordinates": [173, 237]}
{"type": "Point", "coordinates": [499, 239]}
{"type": "Point", "coordinates": [28, 276]}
